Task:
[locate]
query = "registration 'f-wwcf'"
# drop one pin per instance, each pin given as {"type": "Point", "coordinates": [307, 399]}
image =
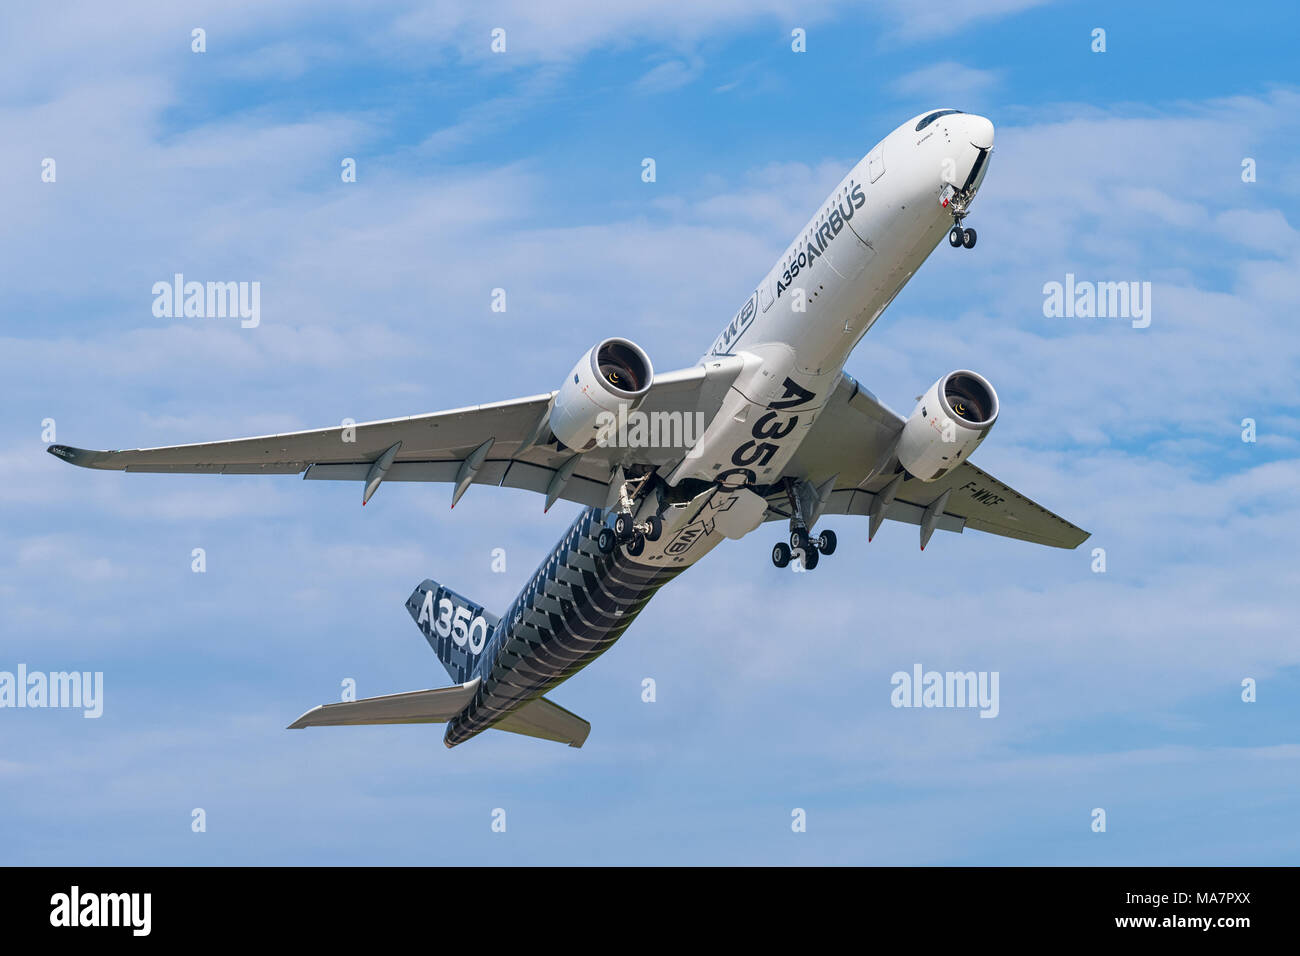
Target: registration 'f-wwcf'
{"type": "Point", "coordinates": [787, 436]}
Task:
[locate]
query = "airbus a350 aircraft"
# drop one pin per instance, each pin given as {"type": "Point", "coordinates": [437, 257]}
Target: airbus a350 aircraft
{"type": "Point", "coordinates": [787, 436]}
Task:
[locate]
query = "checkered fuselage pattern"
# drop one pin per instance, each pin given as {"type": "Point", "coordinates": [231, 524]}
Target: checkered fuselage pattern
{"type": "Point", "coordinates": [573, 609]}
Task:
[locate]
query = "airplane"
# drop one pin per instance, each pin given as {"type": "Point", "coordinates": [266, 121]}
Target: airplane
{"type": "Point", "coordinates": [787, 436]}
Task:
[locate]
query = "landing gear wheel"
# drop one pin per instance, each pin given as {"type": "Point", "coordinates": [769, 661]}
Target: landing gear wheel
{"type": "Point", "coordinates": [968, 238]}
{"type": "Point", "coordinates": [636, 545]}
{"type": "Point", "coordinates": [623, 525]}
{"type": "Point", "coordinates": [809, 558]}
{"type": "Point", "coordinates": [607, 540]}
{"type": "Point", "coordinates": [826, 543]}
{"type": "Point", "coordinates": [781, 554]}
{"type": "Point", "coordinates": [956, 236]}
{"type": "Point", "coordinates": [656, 528]}
{"type": "Point", "coordinates": [799, 540]}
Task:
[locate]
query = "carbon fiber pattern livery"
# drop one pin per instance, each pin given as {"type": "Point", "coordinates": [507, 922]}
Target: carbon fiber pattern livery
{"type": "Point", "coordinates": [577, 604]}
{"type": "Point", "coordinates": [461, 658]}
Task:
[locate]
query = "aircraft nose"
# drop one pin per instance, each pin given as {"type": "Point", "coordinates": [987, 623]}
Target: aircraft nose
{"type": "Point", "coordinates": [980, 131]}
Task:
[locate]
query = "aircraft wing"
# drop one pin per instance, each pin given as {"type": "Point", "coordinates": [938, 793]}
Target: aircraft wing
{"type": "Point", "coordinates": [848, 454]}
{"type": "Point", "coordinates": [506, 443]}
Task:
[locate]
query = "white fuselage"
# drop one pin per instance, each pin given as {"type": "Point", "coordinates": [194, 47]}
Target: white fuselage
{"type": "Point", "coordinates": [832, 283]}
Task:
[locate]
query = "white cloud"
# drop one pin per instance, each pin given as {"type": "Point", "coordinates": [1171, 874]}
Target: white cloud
{"type": "Point", "coordinates": [947, 84]}
{"type": "Point", "coordinates": [669, 75]}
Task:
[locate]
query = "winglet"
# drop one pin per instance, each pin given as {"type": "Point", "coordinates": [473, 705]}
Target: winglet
{"type": "Point", "coordinates": [81, 457]}
{"type": "Point", "coordinates": [302, 721]}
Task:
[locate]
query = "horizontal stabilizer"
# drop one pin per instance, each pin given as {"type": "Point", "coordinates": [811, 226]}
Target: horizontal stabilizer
{"type": "Point", "coordinates": [417, 707]}
{"type": "Point", "coordinates": [541, 718]}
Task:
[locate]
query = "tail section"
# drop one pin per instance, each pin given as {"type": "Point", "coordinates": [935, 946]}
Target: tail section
{"type": "Point", "coordinates": [458, 629]}
{"type": "Point", "coordinates": [462, 634]}
{"type": "Point", "coordinates": [537, 718]}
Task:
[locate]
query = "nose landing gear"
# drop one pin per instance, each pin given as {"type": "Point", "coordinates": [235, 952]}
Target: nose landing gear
{"type": "Point", "coordinates": [958, 236]}
{"type": "Point", "coordinates": [957, 203]}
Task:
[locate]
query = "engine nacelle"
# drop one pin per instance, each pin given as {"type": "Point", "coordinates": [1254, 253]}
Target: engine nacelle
{"type": "Point", "coordinates": [948, 423]}
{"type": "Point", "coordinates": [613, 375]}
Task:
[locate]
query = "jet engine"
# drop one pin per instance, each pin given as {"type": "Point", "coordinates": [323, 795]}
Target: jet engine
{"type": "Point", "coordinates": [948, 423]}
{"type": "Point", "coordinates": [614, 374]}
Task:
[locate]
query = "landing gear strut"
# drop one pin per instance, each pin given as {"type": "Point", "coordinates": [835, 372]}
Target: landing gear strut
{"type": "Point", "coordinates": [627, 530]}
{"type": "Point", "coordinates": [956, 203]}
{"type": "Point", "coordinates": [802, 545]}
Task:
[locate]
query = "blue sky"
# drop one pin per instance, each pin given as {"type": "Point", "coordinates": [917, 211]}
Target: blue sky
{"type": "Point", "coordinates": [522, 171]}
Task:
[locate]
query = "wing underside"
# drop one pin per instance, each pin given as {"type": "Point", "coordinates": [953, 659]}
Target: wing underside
{"type": "Point", "coordinates": [846, 453]}
{"type": "Point", "coordinates": [507, 444]}
{"type": "Point", "coordinates": [849, 453]}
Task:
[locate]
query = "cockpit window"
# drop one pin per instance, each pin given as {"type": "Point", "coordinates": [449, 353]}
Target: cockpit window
{"type": "Point", "coordinates": [927, 120]}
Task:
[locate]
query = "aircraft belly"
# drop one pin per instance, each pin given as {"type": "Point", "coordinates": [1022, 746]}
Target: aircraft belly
{"type": "Point", "coordinates": [564, 619]}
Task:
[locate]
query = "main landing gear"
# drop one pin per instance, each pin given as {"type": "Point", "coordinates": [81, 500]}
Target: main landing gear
{"type": "Point", "coordinates": [807, 549]}
{"type": "Point", "coordinates": [631, 533]}
{"type": "Point", "coordinates": [959, 236]}
{"type": "Point", "coordinates": [626, 529]}
{"type": "Point", "coordinates": [804, 509]}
